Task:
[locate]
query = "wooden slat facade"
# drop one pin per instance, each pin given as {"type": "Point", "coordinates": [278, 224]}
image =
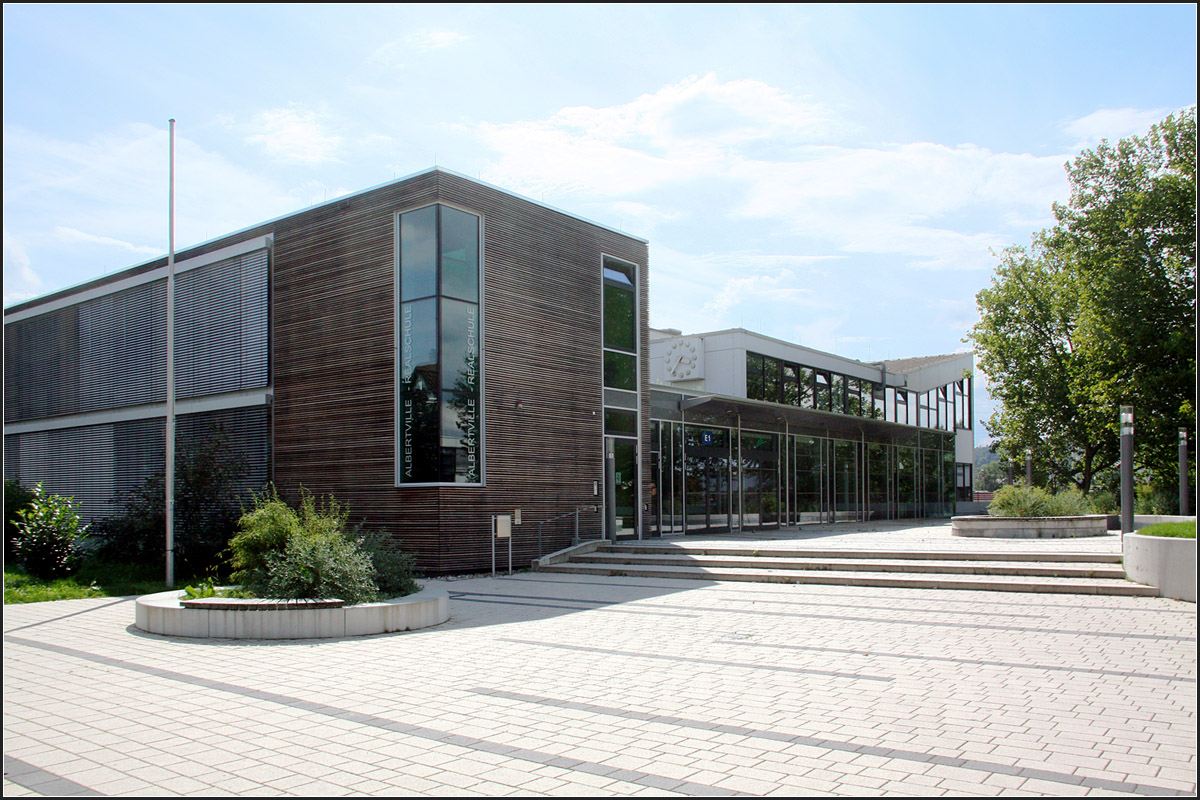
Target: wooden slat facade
{"type": "Point", "coordinates": [333, 360]}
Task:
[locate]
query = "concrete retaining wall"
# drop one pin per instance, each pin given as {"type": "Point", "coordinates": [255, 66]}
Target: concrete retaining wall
{"type": "Point", "coordinates": [163, 613]}
{"type": "Point", "coordinates": [1164, 562]}
{"type": "Point", "coordinates": [1029, 527]}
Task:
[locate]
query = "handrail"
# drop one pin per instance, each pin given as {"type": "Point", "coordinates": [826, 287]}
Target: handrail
{"type": "Point", "coordinates": [575, 514]}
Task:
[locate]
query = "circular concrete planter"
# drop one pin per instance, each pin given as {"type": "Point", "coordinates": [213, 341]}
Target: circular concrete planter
{"type": "Point", "coordinates": [1029, 527]}
{"type": "Point", "coordinates": [1164, 562]}
{"type": "Point", "coordinates": [222, 618]}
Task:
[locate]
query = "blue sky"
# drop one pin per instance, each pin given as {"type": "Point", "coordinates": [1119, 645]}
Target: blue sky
{"type": "Point", "coordinates": [832, 175]}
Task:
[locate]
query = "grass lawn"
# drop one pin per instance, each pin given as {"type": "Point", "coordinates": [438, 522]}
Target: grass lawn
{"type": "Point", "coordinates": [1176, 530]}
{"type": "Point", "coordinates": [92, 580]}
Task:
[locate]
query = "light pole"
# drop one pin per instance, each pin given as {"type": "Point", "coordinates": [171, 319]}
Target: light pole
{"type": "Point", "coordinates": [1183, 476]}
{"type": "Point", "coordinates": [1029, 466]}
{"type": "Point", "coordinates": [1126, 469]}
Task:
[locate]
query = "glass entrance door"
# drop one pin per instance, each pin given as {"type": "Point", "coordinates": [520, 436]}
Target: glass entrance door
{"type": "Point", "coordinates": [708, 488]}
{"type": "Point", "coordinates": [760, 480]}
{"type": "Point", "coordinates": [623, 493]}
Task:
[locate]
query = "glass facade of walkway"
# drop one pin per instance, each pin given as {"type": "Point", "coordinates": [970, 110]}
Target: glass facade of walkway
{"type": "Point", "coordinates": [731, 465]}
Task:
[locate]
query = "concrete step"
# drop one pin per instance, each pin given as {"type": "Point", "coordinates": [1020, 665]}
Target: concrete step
{"type": "Point", "coordinates": [1107, 586]}
{"type": "Point", "coordinates": [891, 555]}
{"type": "Point", "coordinates": [882, 564]}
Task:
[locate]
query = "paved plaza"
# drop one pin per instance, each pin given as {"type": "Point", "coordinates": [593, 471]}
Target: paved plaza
{"type": "Point", "coordinates": [575, 685]}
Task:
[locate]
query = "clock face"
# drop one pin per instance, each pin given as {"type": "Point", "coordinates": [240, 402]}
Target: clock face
{"type": "Point", "coordinates": [684, 360]}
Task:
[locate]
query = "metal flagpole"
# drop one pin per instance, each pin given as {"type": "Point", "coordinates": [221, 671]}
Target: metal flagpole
{"type": "Point", "coordinates": [169, 478]}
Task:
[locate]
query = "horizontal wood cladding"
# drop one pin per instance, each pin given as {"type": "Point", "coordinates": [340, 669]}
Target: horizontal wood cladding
{"type": "Point", "coordinates": [333, 340]}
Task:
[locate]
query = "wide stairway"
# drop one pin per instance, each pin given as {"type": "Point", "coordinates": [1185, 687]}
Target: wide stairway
{"type": "Point", "coordinates": [1069, 573]}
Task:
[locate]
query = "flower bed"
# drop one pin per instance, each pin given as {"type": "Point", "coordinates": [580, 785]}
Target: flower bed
{"type": "Point", "coordinates": [232, 618]}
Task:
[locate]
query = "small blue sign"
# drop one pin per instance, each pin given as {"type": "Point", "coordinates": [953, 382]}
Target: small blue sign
{"type": "Point", "coordinates": [706, 437]}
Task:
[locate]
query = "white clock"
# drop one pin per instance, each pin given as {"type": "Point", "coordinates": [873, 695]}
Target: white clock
{"type": "Point", "coordinates": [685, 360]}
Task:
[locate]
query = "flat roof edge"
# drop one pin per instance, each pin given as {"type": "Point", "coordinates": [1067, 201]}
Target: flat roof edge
{"type": "Point", "coordinates": [151, 263]}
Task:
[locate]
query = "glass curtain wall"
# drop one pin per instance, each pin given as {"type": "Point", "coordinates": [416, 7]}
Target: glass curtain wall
{"type": "Point", "coordinates": [785, 480]}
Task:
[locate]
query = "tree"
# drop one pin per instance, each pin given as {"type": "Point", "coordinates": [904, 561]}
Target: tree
{"type": "Point", "coordinates": [991, 476]}
{"type": "Point", "coordinates": [1100, 312]}
{"type": "Point", "coordinates": [207, 477]}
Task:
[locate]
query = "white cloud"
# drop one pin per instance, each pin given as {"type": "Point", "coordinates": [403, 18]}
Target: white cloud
{"type": "Point", "coordinates": [1112, 123]}
{"type": "Point", "coordinates": [106, 201]}
{"type": "Point", "coordinates": [710, 291]}
{"type": "Point", "coordinates": [934, 206]}
{"type": "Point", "coordinates": [890, 200]}
{"type": "Point", "coordinates": [641, 218]}
{"type": "Point", "coordinates": [294, 133]}
{"type": "Point", "coordinates": [684, 131]}
{"type": "Point", "coordinates": [435, 40]}
{"type": "Point", "coordinates": [759, 289]}
{"type": "Point", "coordinates": [71, 235]}
{"type": "Point", "coordinates": [20, 281]}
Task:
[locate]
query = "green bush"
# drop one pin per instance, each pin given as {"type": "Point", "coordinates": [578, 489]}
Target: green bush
{"type": "Point", "coordinates": [306, 553]}
{"type": "Point", "coordinates": [49, 535]}
{"type": "Point", "coordinates": [264, 529]}
{"type": "Point", "coordinates": [395, 570]}
{"type": "Point", "coordinates": [319, 565]}
{"type": "Point", "coordinates": [1033, 501]}
{"type": "Point", "coordinates": [16, 497]}
{"type": "Point", "coordinates": [1020, 501]}
{"type": "Point", "coordinates": [1069, 502]}
{"type": "Point", "coordinates": [1148, 499]}
{"type": "Point", "coordinates": [1105, 502]}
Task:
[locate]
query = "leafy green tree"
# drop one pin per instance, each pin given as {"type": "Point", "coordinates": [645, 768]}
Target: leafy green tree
{"type": "Point", "coordinates": [1130, 229]}
{"type": "Point", "coordinates": [207, 474]}
{"type": "Point", "coordinates": [991, 476]}
{"type": "Point", "coordinates": [1100, 312]}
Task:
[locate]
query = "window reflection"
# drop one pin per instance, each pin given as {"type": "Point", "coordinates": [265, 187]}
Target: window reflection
{"type": "Point", "coordinates": [439, 406]}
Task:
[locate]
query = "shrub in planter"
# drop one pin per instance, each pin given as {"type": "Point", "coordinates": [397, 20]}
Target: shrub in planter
{"type": "Point", "coordinates": [264, 529]}
{"type": "Point", "coordinates": [1020, 501]}
{"type": "Point", "coordinates": [49, 535]}
{"type": "Point", "coordinates": [1032, 501]}
{"type": "Point", "coordinates": [1104, 502]}
{"type": "Point", "coordinates": [1149, 499]}
{"type": "Point", "coordinates": [1070, 502]}
{"type": "Point", "coordinates": [319, 565]}
{"type": "Point", "coordinates": [305, 553]}
{"type": "Point", "coordinates": [395, 570]}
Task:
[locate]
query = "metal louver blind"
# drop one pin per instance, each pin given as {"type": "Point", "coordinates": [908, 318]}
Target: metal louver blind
{"type": "Point", "coordinates": [98, 465]}
{"type": "Point", "coordinates": [123, 348]}
{"type": "Point", "coordinates": [110, 351]}
{"type": "Point", "coordinates": [221, 326]}
{"type": "Point", "coordinates": [41, 365]}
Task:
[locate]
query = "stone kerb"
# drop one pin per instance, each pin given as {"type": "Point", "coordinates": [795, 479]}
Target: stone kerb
{"type": "Point", "coordinates": [222, 618]}
{"type": "Point", "coordinates": [1029, 527]}
{"type": "Point", "coordinates": [1164, 562]}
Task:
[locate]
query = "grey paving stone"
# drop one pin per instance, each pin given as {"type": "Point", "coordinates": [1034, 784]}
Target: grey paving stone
{"type": "Point", "coordinates": [579, 685]}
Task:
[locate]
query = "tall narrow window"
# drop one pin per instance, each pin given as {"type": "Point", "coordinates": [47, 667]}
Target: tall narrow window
{"type": "Point", "coordinates": [621, 418]}
{"type": "Point", "coordinates": [439, 405]}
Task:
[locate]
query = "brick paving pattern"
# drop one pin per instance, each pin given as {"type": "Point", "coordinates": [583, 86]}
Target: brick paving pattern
{"type": "Point", "coordinates": [576, 685]}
